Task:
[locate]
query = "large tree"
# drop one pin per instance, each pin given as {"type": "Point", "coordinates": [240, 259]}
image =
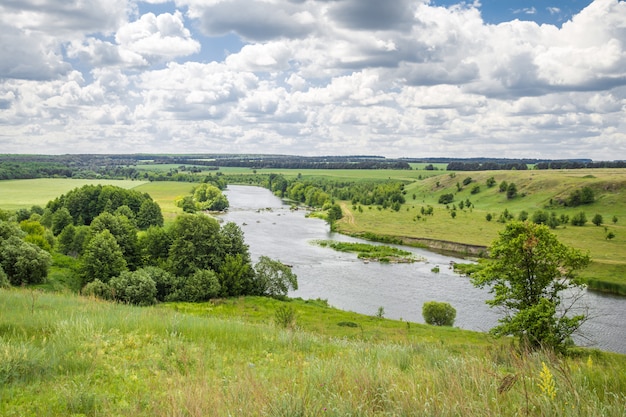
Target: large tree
{"type": "Point", "coordinates": [528, 274]}
{"type": "Point", "coordinates": [195, 244]}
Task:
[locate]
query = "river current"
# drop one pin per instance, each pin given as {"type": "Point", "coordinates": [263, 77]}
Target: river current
{"type": "Point", "coordinates": [272, 229]}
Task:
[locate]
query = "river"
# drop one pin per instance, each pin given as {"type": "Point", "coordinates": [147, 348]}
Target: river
{"type": "Point", "coordinates": [272, 229]}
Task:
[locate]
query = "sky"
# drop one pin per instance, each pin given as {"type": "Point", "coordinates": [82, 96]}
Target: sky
{"type": "Point", "coordinates": [395, 78]}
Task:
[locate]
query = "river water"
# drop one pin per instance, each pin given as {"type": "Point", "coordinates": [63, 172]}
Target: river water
{"type": "Point", "coordinates": [272, 229]}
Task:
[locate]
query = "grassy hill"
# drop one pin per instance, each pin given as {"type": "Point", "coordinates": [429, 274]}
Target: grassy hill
{"type": "Point", "coordinates": [63, 355]}
{"type": "Point", "coordinates": [536, 189]}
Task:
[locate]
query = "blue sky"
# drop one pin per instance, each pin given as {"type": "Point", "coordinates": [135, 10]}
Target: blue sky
{"type": "Point", "coordinates": [542, 78]}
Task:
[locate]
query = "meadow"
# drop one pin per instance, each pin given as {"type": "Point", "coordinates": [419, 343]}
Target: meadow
{"type": "Point", "coordinates": [62, 354]}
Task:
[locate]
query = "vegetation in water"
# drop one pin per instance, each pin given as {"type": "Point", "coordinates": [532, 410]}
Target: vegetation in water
{"type": "Point", "coordinates": [366, 251]}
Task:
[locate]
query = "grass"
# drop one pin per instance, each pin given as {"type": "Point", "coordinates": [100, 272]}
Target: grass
{"type": "Point", "coordinates": [66, 355]}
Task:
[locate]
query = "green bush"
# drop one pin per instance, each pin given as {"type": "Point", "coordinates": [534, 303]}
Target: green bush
{"type": "Point", "coordinates": [201, 286]}
{"type": "Point", "coordinates": [446, 198]}
{"type": "Point", "coordinates": [285, 316]}
{"type": "Point", "coordinates": [134, 288]}
{"type": "Point", "coordinates": [438, 313]}
{"type": "Point", "coordinates": [579, 219]}
{"type": "Point", "coordinates": [98, 289]}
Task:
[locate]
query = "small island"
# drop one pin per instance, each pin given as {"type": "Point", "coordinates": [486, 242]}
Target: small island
{"type": "Point", "coordinates": [374, 253]}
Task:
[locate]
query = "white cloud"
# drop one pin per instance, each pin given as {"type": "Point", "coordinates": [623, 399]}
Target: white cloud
{"type": "Point", "coordinates": [312, 77]}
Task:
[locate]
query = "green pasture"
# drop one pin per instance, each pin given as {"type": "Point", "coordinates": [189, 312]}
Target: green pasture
{"type": "Point", "coordinates": [66, 355]}
{"type": "Point", "coordinates": [17, 194]}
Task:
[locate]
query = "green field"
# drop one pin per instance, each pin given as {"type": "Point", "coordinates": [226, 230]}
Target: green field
{"type": "Point", "coordinates": [17, 194]}
{"type": "Point", "coordinates": [65, 355]}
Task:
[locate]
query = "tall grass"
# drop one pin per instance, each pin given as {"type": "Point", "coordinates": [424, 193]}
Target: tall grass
{"type": "Point", "coordinates": [74, 356]}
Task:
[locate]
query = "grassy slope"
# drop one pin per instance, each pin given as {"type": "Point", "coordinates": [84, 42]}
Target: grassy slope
{"type": "Point", "coordinates": [470, 226]}
{"type": "Point", "coordinates": [66, 355]}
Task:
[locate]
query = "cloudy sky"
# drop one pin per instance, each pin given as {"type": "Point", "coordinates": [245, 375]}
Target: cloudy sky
{"type": "Point", "coordinates": [398, 78]}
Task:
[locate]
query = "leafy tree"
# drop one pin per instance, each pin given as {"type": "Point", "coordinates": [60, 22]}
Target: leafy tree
{"type": "Point", "coordinates": [489, 217]}
{"type": "Point", "coordinates": [134, 288]}
{"type": "Point", "coordinates": [614, 219]}
{"type": "Point", "coordinates": [467, 180]}
{"type": "Point", "coordinates": [149, 215]}
{"type": "Point", "coordinates": [195, 244]}
{"type": "Point", "coordinates": [125, 234]}
{"type": "Point", "coordinates": [511, 191]}
{"type": "Point", "coordinates": [154, 246]}
{"type": "Point", "coordinates": [580, 197]}
{"type": "Point", "coordinates": [597, 220]}
{"type": "Point", "coordinates": [553, 221]}
{"type": "Point", "coordinates": [164, 281]}
{"type": "Point", "coordinates": [540, 217]}
{"type": "Point", "coordinates": [579, 219]}
{"type": "Point", "coordinates": [438, 314]}
{"type": "Point", "coordinates": [528, 273]}
{"type": "Point", "coordinates": [200, 286]}
{"type": "Point", "coordinates": [446, 198]}
{"type": "Point", "coordinates": [334, 213]}
{"type": "Point", "coordinates": [522, 216]}
{"type": "Point", "coordinates": [60, 219]}
{"type": "Point", "coordinates": [503, 186]}
{"type": "Point", "coordinates": [102, 258]}
{"type": "Point", "coordinates": [274, 278]}
{"type": "Point", "coordinates": [475, 189]}
{"type": "Point", "coordinates": [23, 262]}
{"type": "Point", "coordinates": [236, 276]}
{"type": "Point", "coordinates": [491, 181]}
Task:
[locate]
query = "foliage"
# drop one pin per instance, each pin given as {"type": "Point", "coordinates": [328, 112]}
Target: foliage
{"type": "Point", "coordinates": [438, 313]}
{"type": "Point", "coordinates": [236, 276]}
{"type": "Point", "coordinates": [23, 263]}
{"type": "Point", "coordinates": [98, 289]}
{"type": "Point", "coordinates": [285, 316]}
{"type": "Point", "coordinates": [102, 258]}
{"type": "Point", "coordinates": [203, 197]}
{"type": "Point", "coordinates": [597, 220]}
{"type": "Point", "coordinates": [528, 274]}
{"type": "Point", "coordinates": [135, 287]}
{"type": "Point", "coordinates": [195, 244]}
{"type": "Point", "coordinates": [274, 278]}
{"type": "Point", "coordinates": [579, 219]}
{"type": "Point", "coordinates": [580, 197]}
{"type": "Point", "coordinates": [200, 286]}
{"type": "Point", "coordinates": [446, 198]}
{"type": "Point", "coordinates": [4, 280]}
{"type": "Point", "coordinates": [511, 191]}
{"type": "Point", "coordinates": [370, 252]}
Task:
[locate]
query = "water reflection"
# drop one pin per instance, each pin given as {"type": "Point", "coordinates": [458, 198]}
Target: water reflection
{"type": "Point", "coordinates": [273, 230]}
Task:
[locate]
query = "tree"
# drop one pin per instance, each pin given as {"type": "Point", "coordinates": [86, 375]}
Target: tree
{"type": "Point", "coordinates": [195, 244]}
{"type": "Point", "coordinates": [23, 262]}
{"type": "Point", "coordinates": [597, 220]}
{"type": "Point", "coordinates": [60, 219]}
{"type": "Point", "coordinates": [274, 278]}
{"type": "Point", "coordinates": [154, 246]}
{"type": "Point", "coordinates": [511, 191]}
{"type": "Point", "coordinates": [446, 198]}
{"type": "Point", "coordinates": [491, 181]}
{"type": "Point", "coordinates": [235, 276]}
{"type": "Point", "coordinates": [149, 215]}
{"type": "Point", "coordinates": [438, 314]}
{"type": "Point", "coordinates": [579, 219]}
{"type": "Point", "coordinates": [528, 274]}
{"type": "Point", "coordinates": [102, 259]}
{"type": "Point", "coordinates": [125, 234]}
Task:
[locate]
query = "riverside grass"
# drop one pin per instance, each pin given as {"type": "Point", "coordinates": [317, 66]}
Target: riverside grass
{"type": "Point", "coordinates": [62, 354]}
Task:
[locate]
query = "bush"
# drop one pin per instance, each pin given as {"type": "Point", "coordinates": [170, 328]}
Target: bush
{"type": "Point", "coordinates": [597, 219]}
{"type": "Point", "coordinates": [446, 198]}
{"type": "Point", "coordinates": [285, 316]}
{"type": "Point", "coordinates": [4, 281]}
{"type": "Point", "coordinates": [201, 286]}
{"type": "Point", "coordinates": [98, 289]}
{"type": "Point", "coordinates": [438, 313]}
{"type": "Point", "coordinates": [134, 288]}
{"type": "Point", "coordinates": [579, 219]}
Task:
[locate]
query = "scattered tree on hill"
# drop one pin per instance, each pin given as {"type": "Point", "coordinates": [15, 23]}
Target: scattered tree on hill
{"type": "Point", "coordinates": [614, 219]}
{"type": "Point", "coordinates": [446, 198]}
{"type": "Point", "coordinates": [579, 219]}
{"type": "Point", "coordinates": [511, 191]}
{"type": "Point", "coordinates": [503, 186]}
{"type": "Point", "coordinates": [528, 274]}
{"type": "Point", "coordinates": [597, 220]}
{"type": "Point", "coordinates": [580, 197]}
{"type": "Point", "coordinates": [491, 181]}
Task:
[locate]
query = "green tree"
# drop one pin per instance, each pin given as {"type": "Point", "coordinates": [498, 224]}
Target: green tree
{"type": "Point", "coordinates": [511, 191]}
{"type": "Point", "coordinates": [491, 181]}
{"type": "Point", "coordinates": [528, 273]}
{"type": "Point", "coordinates": [149, 215]}
{"type": "Point", "coordinates": [195, 244]}
{"type": "Point", "coordinates": [60, 219]}
{"type": "Point", "coordinates": [274, 278]}
{"type": "Point", "coordinates": [154, 246]}
{"type": "Point", "coordinates": [597, 220]}
{"type": "Point", "coordinates": [438, 313]}
{"type": "Point", "coordinates": [125, 234]}
{"type": "Point", "coordinates": [23, 262]}
{"type": "Point", "coordinates": [102, 258]}
{"type": "Point", "coordinates": [579, 219]}
{"type": "Point", "coordinates": [236, 276]}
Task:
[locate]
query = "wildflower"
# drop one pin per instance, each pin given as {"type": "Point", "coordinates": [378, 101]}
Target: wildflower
{"type": "Point", "coordinates": [546, 383]}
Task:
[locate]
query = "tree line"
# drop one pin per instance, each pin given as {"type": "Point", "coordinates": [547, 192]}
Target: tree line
{"type": "Point", "coordinates": [120, 250]}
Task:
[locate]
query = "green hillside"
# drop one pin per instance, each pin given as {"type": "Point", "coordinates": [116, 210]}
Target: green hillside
{"type": "Point", "coordinates": [63, 355]}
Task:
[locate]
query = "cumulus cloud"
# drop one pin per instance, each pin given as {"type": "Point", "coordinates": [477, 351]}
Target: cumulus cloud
{"type": "Point", "coordinates": [402, 78]}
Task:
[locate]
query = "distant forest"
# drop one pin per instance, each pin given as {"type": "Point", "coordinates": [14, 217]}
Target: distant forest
{"type": "Point", "coordinates": [126, 166]}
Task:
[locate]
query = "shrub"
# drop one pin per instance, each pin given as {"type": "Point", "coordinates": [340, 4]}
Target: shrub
{"type": "Point", "coordinates": [540, 217]}
{"type": "Point", "coordinates": [134, 288]}
{"type": "Point", "coordinates": [202, 285]}
{"type": "Point", "coordinates": [446, 198]}
{"type": "Point", "coordinates": [579, 219]}
{"type": "Point", "coordinates": [597, 219]}
{"type": "Point", "coordinates": [98, 289]}
{"type": "Point", "coordinates": [438, 313]}
{"type": "Point", "coordinates": [285, 316]}
{"type": "Point", "coordinates": [4, 281]}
